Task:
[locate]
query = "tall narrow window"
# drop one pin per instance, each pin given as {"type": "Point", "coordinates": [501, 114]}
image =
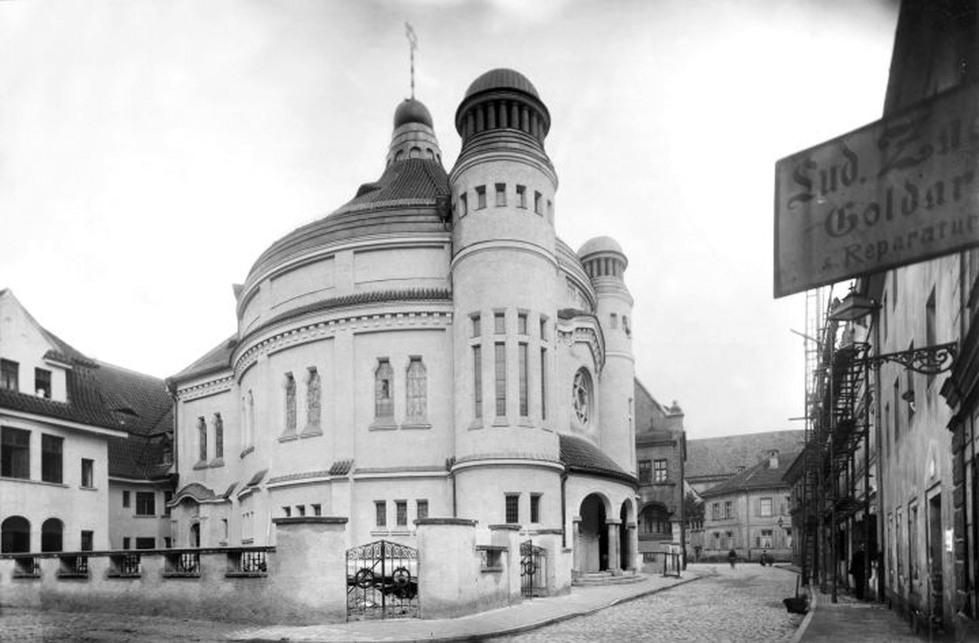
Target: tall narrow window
{"type": "Point", "coordinates": [290, 386]}
{"type": "Point", "coordinates": [417, 390]}
{"type": "Point", "coordinates": [930, 333]}
{"type": "Point", "coordinates": [480, 197]}
{"type": "Point", "coordinates": [659, 471]}
{"type": "Point", "coordinates": [463, 205]}
{"type": "Point", "coordinates": [167, 497]}
{"type": "Point", "coordinates": [125, 499]}
{"type": "Point", "coordinates": [512, 508]}
{"type": "Point", "coordinates": [383, 390]}
{"type": "Point", "coordinates": [477, 382]}
{"type": "Point", "coordinates": [313, 394]}
{"type": "Point", "coordinates": [88, 473]}
{"type": "Point", "coordinates": [202, 439]}
{"type": "Point", "coordinates": [521, 196]}
{"type": "Point", "coordinates": [42, 382]}
{"type": "Point", "coordinates": [535, 507]}
{"type": "Point", "coordinates": [543, 383]}
{"type": "Point", "coordinates": [380, 513]}
{"type": "Point", "coordinates": [500, 194]}
{"type": "Point", "coordinates": [421, 510]}
{"type": "Point", "coordinates": [522, 366]}
{"type": "Point", "coordinates": [401, 512]}
{"type": "Point", "coordinates": [500, 364]}
{"type": "Point", "coordinates": [522, 324]}
{"type": "Point", "coordinates": [250, 420]}
{"type": "Point", "coordinates": [51, 458]}
{"type": "Point", "coordinates": [499, 323]}
{"type": "Point", "coordinates": [9, 375]}
{"type": "Point", "coordinates": [88, 540]}
{"type": "Point", "coordinates": [897, 406]}
{"type": "Point", "coordinates": [218, 436]}
{"type": "Point", "coordinates": [476, 329]}
{"type": "Point", "coordinates": [538, 203]}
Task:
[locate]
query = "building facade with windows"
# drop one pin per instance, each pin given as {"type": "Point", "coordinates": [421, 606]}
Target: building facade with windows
{"type": "Point", "coordinates": [660, 457]}
{"type": "Point", "coordinates": [429, 349]}
{"type": "Point", "coordinates": [74, 433]}
{"type": "Point", "coordinates": [750, 512]}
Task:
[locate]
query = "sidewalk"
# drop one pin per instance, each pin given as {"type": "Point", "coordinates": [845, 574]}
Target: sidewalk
{"type": "Point", "coordinates": [504, 621]}
{"type": "Point", "coordinates": [852, 620]}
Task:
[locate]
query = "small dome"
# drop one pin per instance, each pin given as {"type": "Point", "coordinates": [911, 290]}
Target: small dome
{"type": "Point", "coordinates": [412, 111]}
{"type": "Point", "coordinates": [600, 244]}
{"type": "Point", "coordinates": [502, 79]}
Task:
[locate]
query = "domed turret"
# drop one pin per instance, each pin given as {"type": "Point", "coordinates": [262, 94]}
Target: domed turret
{"type": "Point", "coordinates": [413, 136]}
{"type": "Point", "coordinates": [603, 257]}
{"type": "Point", "coordinates": [502, 99]}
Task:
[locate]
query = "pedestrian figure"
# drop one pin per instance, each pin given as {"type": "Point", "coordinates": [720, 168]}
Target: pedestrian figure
{"type": "Point", "coordinates": [732, 556]}
{"type": "Point", "coordinates": [857, 569]}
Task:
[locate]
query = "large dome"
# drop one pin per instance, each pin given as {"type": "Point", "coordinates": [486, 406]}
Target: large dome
{"type": "Point", "coordinates": [412, 111]}
{"type": "Point", "coordinates": [502, 79]}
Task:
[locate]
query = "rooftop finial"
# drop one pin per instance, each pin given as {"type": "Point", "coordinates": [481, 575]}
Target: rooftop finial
{"type": "Point", "coordinates": [412, 45]}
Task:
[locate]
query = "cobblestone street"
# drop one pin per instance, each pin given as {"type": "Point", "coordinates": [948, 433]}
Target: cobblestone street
{"type": "Point", "coordinates": [740, 605]}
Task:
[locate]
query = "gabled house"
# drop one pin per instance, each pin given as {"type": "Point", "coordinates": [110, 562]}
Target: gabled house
{"type": "Point", "coordinates": [76, 436]}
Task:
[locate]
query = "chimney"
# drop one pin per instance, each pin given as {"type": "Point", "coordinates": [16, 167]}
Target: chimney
{"type": "Point", "coordinates": [773, 459]}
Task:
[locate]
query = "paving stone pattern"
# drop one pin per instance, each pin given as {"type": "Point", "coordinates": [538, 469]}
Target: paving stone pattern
{"type": "Point", "coordinates": [726, 606]}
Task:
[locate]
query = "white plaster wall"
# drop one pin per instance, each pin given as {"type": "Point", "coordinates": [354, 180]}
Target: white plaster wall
{"type": "Point", "coordinates": [21, 341]}
{"type": "Point", "coordinates": [79, 508]}
{"type": "Point", "coordinates": [482, 494]}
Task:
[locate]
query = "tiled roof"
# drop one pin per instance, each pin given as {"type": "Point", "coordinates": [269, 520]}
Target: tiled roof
{"type": "Point", "coordinates": [713, 457]}
{"type": "Point", "coordinates": [194, 490]}
{"type": "Point", "coordinates": [760, 476]}
{"type": "Point", "coordinates": [107, 396]}
{"type": "Point", "coordinates": [581, 456]}
{"type": "Point", "coordinates": [403, 200]}
{"type": "Point", "coordinates": [216, 359]}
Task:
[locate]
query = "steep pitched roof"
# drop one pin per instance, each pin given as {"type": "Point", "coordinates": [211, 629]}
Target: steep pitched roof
{"type": "Point", "coordinates": [216, 359]}
{"type": "Point", "coordinates": [581, 456]}
{"type": "Point", "coordinates": [760, 476]}
{"type": "Point", "coordinates": [107, 396]}
{"type": "Point", "coordinates": [714, 457]}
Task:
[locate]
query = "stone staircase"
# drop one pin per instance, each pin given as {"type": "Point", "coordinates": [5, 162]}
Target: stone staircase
{"type": "Point", "coordinates": [588, 579]}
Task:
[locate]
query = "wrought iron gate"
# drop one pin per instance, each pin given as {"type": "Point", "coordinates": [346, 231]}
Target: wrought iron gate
{"type": "Point", "coordinates": [533, 569]}
{"type": "Point", "coordinates": [382, 581]}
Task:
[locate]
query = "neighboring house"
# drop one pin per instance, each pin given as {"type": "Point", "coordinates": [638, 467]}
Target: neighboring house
{"type": "Point", "coordinates": [74, 434]}
{"type": "Point", "coordinates": [429, 349]}
{"type": "Point", "coordinates": [660, 455]}
{"type": "Point", "coordinates": [749, 512]}
{"type": "Point", "coordinates": [711, 461]}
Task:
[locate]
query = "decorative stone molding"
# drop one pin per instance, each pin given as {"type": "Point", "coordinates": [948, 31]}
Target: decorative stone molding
{"type": "Point", "coordinates": [323, 329]}
{"type": "Point", "coordinates": [205, 389]}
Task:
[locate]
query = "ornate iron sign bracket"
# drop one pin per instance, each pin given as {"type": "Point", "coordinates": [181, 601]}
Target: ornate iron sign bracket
{"type": "Point", "coordinates": [928, 360]}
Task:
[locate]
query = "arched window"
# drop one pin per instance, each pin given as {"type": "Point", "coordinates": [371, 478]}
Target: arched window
{"type": "Point", "coordinates": [202, 439]}
{"type": "Point", "coordinates": [654, 521]}
{"type": "Point", "coordinates": [415, 153]}
{"type": "Point", "coordinates": [290, 386]}
{"type": "Point", "coordinates": [218, 436]}
{"type": "Point", "coordinates": [15, 535]}
{"type": "Point", "coordinates": [250, 420]}
{"type": "Point", "coordinates": [51, 531]}
{"type": "Point", "coordinates": [383, 390]}
{"type": "Point", "coordinates": [581, 396]}
{"type": "Point", "coordinates": [417, 390]}
{"type": "Point", "coordinates": [313, 400]}
{"type": "Point", "coordinates": [195, 535]}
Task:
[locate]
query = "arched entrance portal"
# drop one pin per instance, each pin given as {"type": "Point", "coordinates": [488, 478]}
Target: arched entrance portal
{"type": "Point", "coordinates": [593, 535]}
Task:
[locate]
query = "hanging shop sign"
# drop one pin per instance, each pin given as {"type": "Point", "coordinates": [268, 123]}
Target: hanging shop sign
{"type": "Point", "coordinates": [901, 190]}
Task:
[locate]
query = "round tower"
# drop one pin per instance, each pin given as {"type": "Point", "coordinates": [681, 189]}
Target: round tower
{"type": "Point", "coordinates": [504, 283]}
{"type": "Point", "coordinates": [605, 264]}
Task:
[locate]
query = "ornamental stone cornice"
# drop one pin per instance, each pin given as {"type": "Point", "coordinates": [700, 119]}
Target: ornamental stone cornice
{"type": "Point", "coordinates": [322, 329]}
{"type": "Point", "coordinates": [205, 388]}
{"type": "Point", "coordinates": [585, 332]}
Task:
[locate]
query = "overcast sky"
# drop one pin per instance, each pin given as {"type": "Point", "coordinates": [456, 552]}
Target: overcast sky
{"type": "Point", "coordinates": [151, 150]}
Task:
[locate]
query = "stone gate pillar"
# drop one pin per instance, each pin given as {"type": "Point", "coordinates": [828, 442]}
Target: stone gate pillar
{"type": "Point", "coordinates": [575, 547]}
{"type": "Point", "coordinates": [308, 572]}
{"type": "Point", "coordinates": [633, 540]}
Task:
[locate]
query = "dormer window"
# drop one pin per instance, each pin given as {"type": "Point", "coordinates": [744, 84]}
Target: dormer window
{"type": "Point", "coordinates": [9, 380]}
{"type": "Point", "coordinates": [42, 382]}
